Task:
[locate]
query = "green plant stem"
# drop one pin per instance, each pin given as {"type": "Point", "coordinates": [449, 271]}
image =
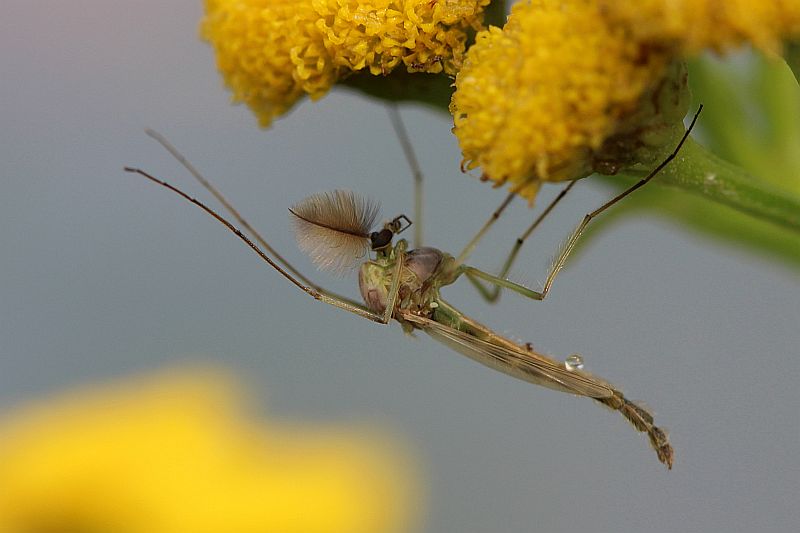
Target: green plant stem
{"type": "Point", "coordinates": [699, 171]}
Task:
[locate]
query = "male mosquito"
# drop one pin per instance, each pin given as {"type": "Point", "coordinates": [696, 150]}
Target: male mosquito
{"type": "Point", "coordinates": [337, 230]}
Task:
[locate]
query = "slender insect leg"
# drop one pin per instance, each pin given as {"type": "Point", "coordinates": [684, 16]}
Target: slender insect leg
{"type": "Point", "coordinates": [394, 288]}
{"type": "Point", "coordinates": [227, 206]}
{"type": "Point", "coordinates": [475, 274]}
{"type": "Point", "coordinates": [573, 239]}
{"type": "Point", "coordinates": [317, 294]}
{"type": "Point", "coordinates": [493, 294]}
{"type": "Point", "coordinates": [470, 247]}
{"type": "Point", "coordinates": [413, 163]}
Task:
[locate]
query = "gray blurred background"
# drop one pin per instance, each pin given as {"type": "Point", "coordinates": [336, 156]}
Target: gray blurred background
{"type": "Point", "coordinates": [103, 275]}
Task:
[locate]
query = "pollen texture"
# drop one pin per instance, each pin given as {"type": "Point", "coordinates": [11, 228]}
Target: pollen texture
{"type": "Point", "coordinates": [272, 52]}
{"type": "Point", "coordinates": [537, 98]}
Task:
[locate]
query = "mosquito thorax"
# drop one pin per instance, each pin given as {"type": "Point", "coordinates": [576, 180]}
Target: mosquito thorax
{"type": "Point", "coordinates": [424, 262]}
{"type": "Point", "coordinates": [420, 277]}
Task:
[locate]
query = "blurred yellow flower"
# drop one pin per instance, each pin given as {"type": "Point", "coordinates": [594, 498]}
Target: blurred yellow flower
{"type": "Point", "coordinates": [175, 454]}
{"type": "Point", "coordinates": [694, 25]}
{"type": "Point", "coordinates": [272, 52]}
{"type": "Point", "coordinates": [552, 94]}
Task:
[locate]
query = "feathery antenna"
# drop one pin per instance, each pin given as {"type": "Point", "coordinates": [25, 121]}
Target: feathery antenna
{"type": "Point", "coordinates": [333, 228]}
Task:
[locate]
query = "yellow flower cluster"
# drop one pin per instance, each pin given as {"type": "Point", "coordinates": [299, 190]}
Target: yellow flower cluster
{"type": "Point", "coordinates": [174, 454]}
{"type": "Point", "coordinates": [694, 25]}
{"type": "Point", "coordinates": [535, 100]}
{"type": "Point", "coordinates": [272, 52]}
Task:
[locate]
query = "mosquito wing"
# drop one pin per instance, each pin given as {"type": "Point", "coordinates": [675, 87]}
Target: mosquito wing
{"type": "Point", "coordinates": [520, 363]}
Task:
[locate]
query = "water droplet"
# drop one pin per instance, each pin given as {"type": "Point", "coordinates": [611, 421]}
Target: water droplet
{"type": "Point", "coordinates": [574, 362]}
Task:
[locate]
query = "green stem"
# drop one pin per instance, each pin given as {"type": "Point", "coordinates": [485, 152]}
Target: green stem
{"type": "Point", "coordinates": [699, 171]}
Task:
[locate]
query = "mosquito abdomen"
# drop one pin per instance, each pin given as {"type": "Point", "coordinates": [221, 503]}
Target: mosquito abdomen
{"type": "Point", "coordinates": [642, 420]}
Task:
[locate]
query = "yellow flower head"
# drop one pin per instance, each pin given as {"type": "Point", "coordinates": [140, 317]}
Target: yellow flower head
{"type": "Point", "coordinates": [272, 52]}
{"type": "Point", "coordinates": [539, 99]}
{"type": "Point", "coordinates": [693, 25]}
{"type": "Point", "coordinates": [175, 455]}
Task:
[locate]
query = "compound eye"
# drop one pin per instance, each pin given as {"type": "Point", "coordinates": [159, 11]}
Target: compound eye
{"type": "Point", "coordinates": [381, 239]}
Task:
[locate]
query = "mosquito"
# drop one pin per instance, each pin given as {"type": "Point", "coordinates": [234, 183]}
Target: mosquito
{"type": "Point", "coordinates": [337, 229]}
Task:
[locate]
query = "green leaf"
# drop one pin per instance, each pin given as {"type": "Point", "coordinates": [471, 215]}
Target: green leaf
{"type": "Point", "coordinates": [793, 58]}
{"type": "Point", "coordinates": [752, 115]}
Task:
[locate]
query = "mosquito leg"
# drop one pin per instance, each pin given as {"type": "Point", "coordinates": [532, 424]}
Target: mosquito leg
{"type": "Point", "coordinates": [392, 271]}
{"type": "Point", "coordinates": [491, 295]}
{"type": "Point", "coordinates": [573, 239]}
{"type": "Point", "coordinates": [475, 274]}
{"type": "Point", "coordinates": [413, 163]}
{"type": "Point", "coordinates": [468, 249]}
{"type": "Point", "coordinates": [317, 294]}
{"type": "Point", "coordinates": [394, 289]}
{"type": "Point", "coordinates": [227, 206]}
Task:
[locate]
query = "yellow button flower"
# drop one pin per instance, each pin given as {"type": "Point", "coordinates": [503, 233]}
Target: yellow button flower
{"type": "Point", "coordinates": [272, 52]}
{"type": "Point", "coordinates": [693, 25]}
{"type": "Point", "coordinates": [551, 96]}
{"type": "Point", "coordinates": [175, 454]}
